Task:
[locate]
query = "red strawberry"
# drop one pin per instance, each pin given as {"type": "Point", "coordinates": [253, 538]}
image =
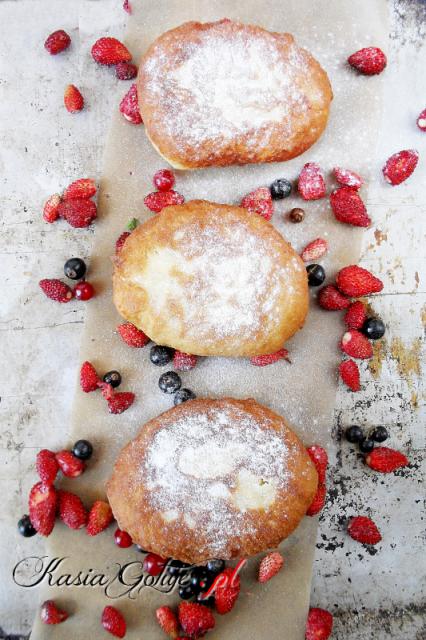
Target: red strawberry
{"type": "Point", "coordinates": [56, 290]}
{"type": "Point", "coordinates": [195, 619]}
{"type": "Point", "coordinates": [89, 379]}
{"type": "Point", "coordinates": [50, 209]}
{"type": "Point", "coordinates": [127, 7]}
{"type": "Point", "coordinates": [164, 180]}
{"type": "Point", "coordinates": [70, 466]}
{"type": "Point", "coordinates": [126, 71]}
{"type": "Point", "coordinates": [132, 336]}
{"type": "Point", "coordinates": [270, 566]}
{"type": "Point", "coordinates": [79, 213]}
{"type": "Point", "coordinates": [386, 460]}
{"type": "Point", "coordinates": [355, 316]}
{"type": "Point", "coordinates": [120, 241]}
{"type": "Point", "coordinates": [227, 590]}
{"type": "Point", "coordinates": [318, 502]}
{"type": "Point", "coordinates": [355, 281]}
{"type": "Point", "coordinates": [356, 345]}
{"type": "Point", "coordinates": [168, 621]}
{"type": "Point", "coordinates": [110, 51]}
{"type": "Point", "coordinates": [157, 200]}
{"type": "Point", "coordinates": [319, 624]}
{"type": "Point", "coordinates": [100, 517]}
{"type": "Point", "coordinates": [259, 201]}
{"type": "Point", "coordinates": [121, 401]}
{"type": "Point", "coordinates": [73, 100]}
{"type": "Point", "coordinates": [114, 622]}
{"type": "Point", "coordinates": [71, 510]}
{"type": "Point", "coordinates": [129, 106]}
{"type": "Point", "coordinates": [184, 361]}
{"type": "Point", "coordinates": [331, 299]}
{"type": "Point", "coordinates": [400, 166]}
{"type": "Point", "coordinates": [421, 120]}
{"type": "Point", "coordinates": [83, 188]}
{"type": "Point", "coordinates": [362, 529]}
{"type": "Point", "coordinates": [311, 183]}
{"type": "Point", "coordinates": [348, 207]}
{"type": "Point", "coordinates": [348, 178]}
{"type": "Point", "coordinates": [349, 372]}
{"type": "Point", "coordinates": [262, 361]}
{"type": "Point", "coordinates": [57, 41]}
{"type": "Point", "coordinates": [319, 457]}
{"type": "Point", "coordinates": [50, 614]}
{"type": "Point", "coordinates": [47, 466]}
{"type": "Point", "coordinates": [42, 507]}
{"type": "Point", "coordinates": [314, 250]}
{"type": "Point", "coordinates": [369, 61]}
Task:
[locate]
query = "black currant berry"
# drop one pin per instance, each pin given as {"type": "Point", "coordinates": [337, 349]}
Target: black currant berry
{"type": "Point", "coordinates": [160, 355]}
{"type": "Point", "coordinates": [82, 449]}
{"type": "Point", "coordinates": [367, 445]}
{"type": "Point", "coordinates": [186, 592]}
{"type": "Point", "coordinates": [374, 328]}
{"type": "Point", "coordinates": [354, 434]}
{"type": "Point", "coordinates": [75, 268]}
{"type": "Point", "coordinates": [215, 566]}
{"type": "Point", "coordinates": [316, 275]}
{"type": "Point", "coordinates": [183, 395]}
{"type": "Point", "coordinates": [169, 382]}
{"type": "Point", "coordinates": [25, 527]}
{"type": "Point", "coordinates": [379, 434]}
{"type": "Point", "coordinates": [113, 378]}
{"type": "Point", "coordinates": [280, 189]}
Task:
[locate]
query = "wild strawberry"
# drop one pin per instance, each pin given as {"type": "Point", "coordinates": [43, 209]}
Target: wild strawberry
{"type": "Point", "coordinates": [47, 466]}
{"type": "Point", "coordinates": [385, 460]}
{"type": "Point", "coordinates": [319, 457]}
{"type": "Point", "coordinates": [270, 565]}
{"type": "Point", "coordinates": [126, 71]}
{"type": "Point", "coordinates": [355, 316]}
{"type": "Point", "coordinates": [51, 614]}
{"type": "Point", "coordinates": [356, 345]}
{"type": "Point", "coordinates": [349, 373]}
{"type": "Point", "coordinates": [57, 41]}
{"type": "Point", "coordinates": [73, 99]}
{"type": "Point", "coordinates": [157, 200]}
{"type": "Point", "coordinates": [263, 361]}
{"type": "Point", "coordinates": [314, 250]}
{"type": "Point", "coordinates": [70, 466]}
{"type": "Point", "coordinates": [369, 61]}
{"type": "Point", "coordinates": [119, 243]}
{"type": "Point", "coordinates": [127, 7]}
{"type": "Point", "coordinates": [331, 299]}
{"type": "Point", "coordinates": [164, 180]}
{"type": "Point", "coordinates": [421, 120]}
{"type": "Point", "coordinates": [168, 621]}
{"type": "Point", "coordinates": [311, 183]}
{"type": "Point", "coordinates": [89, 379]}
{"type": "Point", "coordinates": [120, 402]}
{"type": "Point", "coordinates": [110, 51]}
{"type": "Point", "coordinates": [79, 213]}
{"type": "Point", "coordinates": [83, 189]}
{"type": "Point", "coordinates": [113, 622]}
{"type": "Point", "coordinates": [132, 336]}
{"type": "Point", "coordinates": [71, 510]}
{"type": "Point", "coordinates": [348, 178]}
{"type": "Point", "coordinates": [50, 209]}
{"type": "Point", "coordinates": [355, 281]}
{"type": "Point", "coordinates": [129, 106]}
{"type": "Point", "coordinates": [184, 361]}
{"type": "Point", "coordinates": [348, 207]}
{"type": "Point", "coordinates": [42, 503]}
{"type": "Point", "coordinates": [319, 624]}
{"type": "Point", "coordinates": [363, 529]}
{"type": "Point", "coordinates": [259, 201]}
{"type": "Point", "coordinates": [400, 166]}
{"type": "Point", "coordinates": [318, 502]}
{"type": "Point", "coordinates": [56, 290]}
{"type": "Point", "coordinates": [227, 590]}
{"type": "Point", "coordinates": [195, 619]}
{"type": "Point", "coordinates": [100, 517]}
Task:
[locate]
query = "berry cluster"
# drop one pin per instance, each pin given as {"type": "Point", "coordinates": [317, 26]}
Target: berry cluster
{"type": "Point", "coordinates": [74, 205]}
{"type": "Point", "coordinates": [74, 269]}
{"type": "Point", "coordinates": [118, 402]}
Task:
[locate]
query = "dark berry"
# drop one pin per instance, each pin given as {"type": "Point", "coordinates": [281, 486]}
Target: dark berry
{"type": "Point", "coordinates": [82, 449]}
{"type": "Point", "coordinates": [373, 328]}
{"type": "Point", "coordinates": [154, 564]}
{"type": "Point", "coordinates": [379, 434]}
{"type": "Point", "coordinates": [169, 382]}
{"type": "Point", "coordinates": [316, 275]}
{"type": "Point", "coordinates": [366, 445]}
{"type": "Point", "coordinates": [200, 579]}
{"type": "Point", "coordinates": [280, 189]}
{"type": "Point", "coordinates": [139, 548]}
{"type": "Point", "coordinates": [208, 602]}
{"type": "Point", "coordinates": [25, 527]}
{"type": "Point", "coordinates": [122, 539]}
{"type": "Point", "coordinates": [296, 215]}
{"type": "Point", "coordinates": [160, 355]}
{"type": "Point", "coordinates": [113, 378]}
{"type": "Point", "coordinates": [183, 395]}
{"type": "Point", "coordinates": [186, 592]}
{"type": "Point", "coordinates": [354, 434]}
{"type": "Point", "coordinates": [215, 566]}
{"type": "Point", "coordinates": [75, 268]}
{"type": "Point", "coordinates": [84, 291]}
{"type": "Point", "coordinates": [175, 567]}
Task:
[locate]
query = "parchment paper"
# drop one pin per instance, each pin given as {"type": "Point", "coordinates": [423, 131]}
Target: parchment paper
{"type": "Point", "coordinates": [303, 392]}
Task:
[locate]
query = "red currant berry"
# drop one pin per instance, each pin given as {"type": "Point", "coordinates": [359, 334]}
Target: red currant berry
{"type": "Point", "coordinates": [164, 180]}
{"type": "Point", "coordinates": [154, 564]}
{"type": "Point", "coordinates": [84, 291]}
{"type": "Point", "coordinates": [122, 539]}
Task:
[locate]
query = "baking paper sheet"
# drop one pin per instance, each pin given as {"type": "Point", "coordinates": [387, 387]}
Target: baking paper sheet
{"type": "Point", "coordinates": [303, 392]}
